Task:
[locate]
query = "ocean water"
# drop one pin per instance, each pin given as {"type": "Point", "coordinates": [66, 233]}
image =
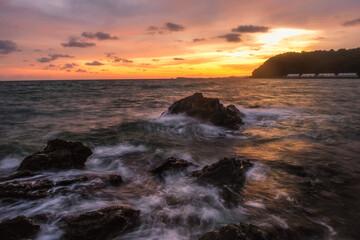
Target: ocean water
{"type": "Point", "coordinates": [303, 136]}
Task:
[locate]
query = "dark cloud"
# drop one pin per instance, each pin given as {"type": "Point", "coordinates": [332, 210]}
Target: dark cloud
{"type": "Point", "coordinates": [123, 60]}
{"type": "Point", "coordinates": [81, 70]}
{"type": "Point", "coordinates": [352, 22]}
{"type": "Point", "coordinates": [231, 37]}
{"type": "Point", "coordinates": [199, 39]}
{"type": "Point", "coordinates": [99, 36]}
{"type": "Point", "coordinates": [174, 27]}
{"type": "Point", "coordinates": [178, 59]}
{"type": "Point", "coordinates": [112, 57]}
{"type": "Point", "coordinates": [69, 65]}
{"type": "Point", "coordinates": [94, 63]}
{"type": "Point", "coordinates": [76, 42]}
{"type": "Point", "coordinates": [250, 29]}
{"type": "Point", "coordinates": [7, 46]}
{"type": "Point", "coordinates": [53, 57]}
{"type": "Point", "coordinates": [155, 60]}
{"type": "Point", "coordinates": [167, 28]}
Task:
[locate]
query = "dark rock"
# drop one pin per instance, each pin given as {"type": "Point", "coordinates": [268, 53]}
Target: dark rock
{"type": "Point", "coordinates": [242, 231]}
{"type": "Point", "coordinates": [40, 188]}
{"type": "Point", "coordinates": [26, 189]}
{"type": "Point", "coordinates": [171, 164]}
{"type": "Point", "coordinates": [58, 154]}
{"type": "Point", "coordinates": [227, 171]}
{"type": "Point", "coordinates": [101, 224]}
{"type": "Point", "coordinates": [19, 174]}
{"type": "Point", "coordinates": [18, 228]}
{"type": "Point", "coordinates": [208, 109]}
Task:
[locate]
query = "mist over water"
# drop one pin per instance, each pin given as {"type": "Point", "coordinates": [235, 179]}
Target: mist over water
{"type": "Point", "coordinates": [304, 137]}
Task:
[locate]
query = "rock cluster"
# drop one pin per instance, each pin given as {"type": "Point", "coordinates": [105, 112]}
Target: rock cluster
{"type": "Point", "coordinates": [208, 109]}
{"type": "Point", "coordinates": [242, 231]}
{"type": "Point", "coordinates": [171, 164]}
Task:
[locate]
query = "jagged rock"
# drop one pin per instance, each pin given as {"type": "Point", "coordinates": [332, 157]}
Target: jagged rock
{"type": "Point", "coordinates": [18, 228]}
{"type": "Point", "coordinates": [40, 188]}
{"type": "Point", "coordinates": [171, 164]}
{"type": "Point", "coordinates": [227, 171]}
{"type": "Point", "coordinates": [58, 154]}
{"type": "Point", "coordinates": [101, 224]}
{"type": "Point", "coordinates": [26, 189]}
{"type": "Point", "coordinates": [242, 231]}
{"type": "Point", "coordinates": [208, 109]}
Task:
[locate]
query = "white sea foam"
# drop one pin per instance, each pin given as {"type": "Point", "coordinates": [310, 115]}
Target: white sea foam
{"type": "Point", "coordinates": [10, 162]}
{"type": "Point", "coordinates": [119, 150]}
{"type": "Point", "coordinates": [255, 204]}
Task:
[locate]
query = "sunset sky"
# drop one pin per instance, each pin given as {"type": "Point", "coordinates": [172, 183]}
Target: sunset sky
{"type": "Point", "coordinates": [110, 39]}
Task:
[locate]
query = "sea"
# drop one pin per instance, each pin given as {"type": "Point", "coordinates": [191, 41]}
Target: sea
{"type": "Point", "coordinates": [303, 136]}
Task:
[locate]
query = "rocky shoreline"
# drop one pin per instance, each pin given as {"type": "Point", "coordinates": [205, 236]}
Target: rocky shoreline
{"type": "Point", "coordinates": [227, 174]}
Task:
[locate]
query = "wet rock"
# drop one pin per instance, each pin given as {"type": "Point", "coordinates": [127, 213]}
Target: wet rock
{"type": "Point", "coordinates": [242, 231]}
{"type": "Point", "coordinates": [40, 188]}
{"type": "Point", "coordinates": [26, 189]}
{"type": "Point", "coordinates": [171, 164]}
{"type": "Point", "coordinates": [101, 224]}
{"type": "Point", "coordinates": [58, 154]}
{"type": "Point", "coordinates": [19, 174]}
{"type": "Point", "coordinates": [18, 228]}
{"type": "Point", "coordinates": [208, 109]}
{"type": "Point", "coordinates": [227, 171]}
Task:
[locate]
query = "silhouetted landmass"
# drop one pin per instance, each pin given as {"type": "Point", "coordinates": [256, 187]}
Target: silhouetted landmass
{"type": "Point", "coordinates": [341, 61]}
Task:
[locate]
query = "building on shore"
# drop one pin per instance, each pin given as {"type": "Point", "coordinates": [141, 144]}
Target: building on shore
{"type": "Point", "coordinates": [326, 75]}
{"type": "Point", "coordinates": [293, 75]}
{"type": "Point", "coordinates": [347, 75]}
{"type": "Point", "coordinates": [308, 75]}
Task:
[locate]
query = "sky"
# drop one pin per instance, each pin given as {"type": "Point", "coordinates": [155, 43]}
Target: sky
{"type": "Point", "coordinates": [125, 39]}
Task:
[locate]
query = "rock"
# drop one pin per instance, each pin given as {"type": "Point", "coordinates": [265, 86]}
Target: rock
{"type": "Point", "coordinates": [40, 188]}
{"type": "Point", "coordinates": [171, 164]}
{"type": "Point", "coordinates": [58, 154]}
{"type": "Point", "coordinates": [19, 174]}
{"type": "Point", "coordinates": [227, 171]}
{"type": "Point", "coordinates": [26, 189]}
{"type": "Point", "coordinates": [208, 109]}
{"type": "Point", "coordinates": [242, 231]}
{"type": "Point", "coordinates": [101, 224]}
{"type": "Point", "coordinates": [18, 228]}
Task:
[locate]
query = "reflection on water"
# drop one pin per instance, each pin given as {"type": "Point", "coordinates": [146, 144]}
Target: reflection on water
{"type": "Point", "coordinates": [304, 137]}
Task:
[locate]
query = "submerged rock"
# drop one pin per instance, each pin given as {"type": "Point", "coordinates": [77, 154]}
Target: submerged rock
{"type": "Point", "coordinates": [171, 164]}
{"type": "Point", "coordinates": [242, 231]}
{"type": "Point", "coordinates": [26, 189]}
{"type": "Point", "coordinates": [40, 188]}
{"type": "Point", "coordinates": [101, 224]}
{"type": "Point", "coordinates": [19, 174]}
{"type": "Point", "coordinates": [227, 171]}
{"type": "Point", "coordinates": [208, 109]}
{"type": "Point", "coordinates": [18, 228]}
{"type": "Point", "coordinates": [58, 154]}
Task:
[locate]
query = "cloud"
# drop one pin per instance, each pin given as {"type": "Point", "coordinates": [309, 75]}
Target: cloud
{"type": "Point", "coordinates": [155, 60]}
{"type": "Point", "coordinates": [53, 57]}
{"type": "Point", "coordinates": [123, 60]}
{"type": "Point", "coordinates": [174, 27]}
{"type": "Point", "coordinates": [351, 22]}
{"type": "Point", "coordinates": [178, 59]}
{"type": "Point", "coordinates": [76, 42]}
{"type": "Point", "coordinates": [81, 70]}
{"type": "Point", "coordinates": [167, 28]}
{"type": "Point", "coordinates": [99, 36]}
{"type": "Point", "coordinates": [69, 65]}
{"type": "Point", "coordinates": [7, 46]}
{"type": "Point", "coordinates": [231, 37]}
{"type": "Point", "coordinates": [199, 39]}
{"type": "Point", "coordinates": [250, 29]}
{"type": "Point", "coordinates": [94, 63]}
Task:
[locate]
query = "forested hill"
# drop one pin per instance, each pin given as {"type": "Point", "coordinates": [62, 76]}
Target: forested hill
{"type": "Point", "coordinates": [310, 62]}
